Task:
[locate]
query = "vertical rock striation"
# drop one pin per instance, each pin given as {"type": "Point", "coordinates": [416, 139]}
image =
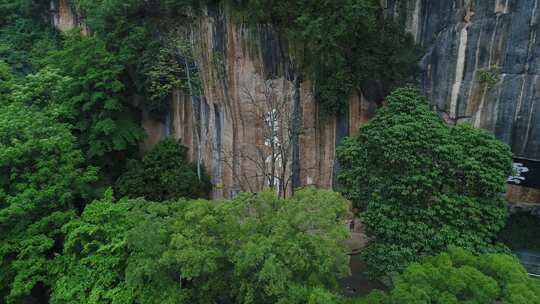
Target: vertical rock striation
{"type": "Point", "coordinates": [469, 41]}
{"type": "Point", "coordinates": [465, 40]}
{"type": "Point", "coordinates": [481, 65]}
{"type": "Point", "coordinates": [64, 17]}
{"type": "Point", "coordinates": [236, 62]}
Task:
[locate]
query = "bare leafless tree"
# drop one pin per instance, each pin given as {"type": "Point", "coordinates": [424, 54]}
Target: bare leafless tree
{"type": "Point", "coordinates": [271, 104]}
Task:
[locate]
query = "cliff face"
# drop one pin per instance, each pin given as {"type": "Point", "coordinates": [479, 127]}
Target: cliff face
{"type": "Point", "coordinates": [243, 69]}
{"type": "Point", "coordinates": [469, 40]}
{"type": "Point", "coordinates": [64, 17]}
{"type": "Point", "coordinates": [481, 65]}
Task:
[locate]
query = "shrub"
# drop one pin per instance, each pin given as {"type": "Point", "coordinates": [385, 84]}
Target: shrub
{"type": "Point", "coordinates": [164, 173]}
{"type": "Point", "coordinates": [490, 76]}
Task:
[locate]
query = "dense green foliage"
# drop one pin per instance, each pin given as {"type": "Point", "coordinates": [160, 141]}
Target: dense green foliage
{"type": "Point", "coordinates": [70, 107]}
{"type": "Point", "coordinates": [163, 174]}
{"type": "Point", "coordinates": [87, 95]}
{"type": "Point", "coordinates": [64, 108]}
{"type": "Point", "coordinates": [490, 76]}
{"type": "Point", "coordinates": [24, 36]}
{"type": "Point", "coordinates": [99, 112]}
{"type": "Point", "coordinates": [423, 185]}
{"type": "Point", "coordinates": [343, 45]}
{"type": "Point", "coordinates": [253, 249]}
{"type": "Point", "coordinates": [140, 34]}
{"type": "Point", "coordinates": [163, 76]}
{"type": "Point", "coordinates": [74, 78]}
{"type": "Point", "coordinates": [7, 80]}
{"type": "Point", "coordinates": [521, 231]}
{"type": "Point", "coordinates": [460, 277]}
{"type": "Point", "coordinates": [101, 249]}
{"type": "Point", "coordinates": [43, 176]}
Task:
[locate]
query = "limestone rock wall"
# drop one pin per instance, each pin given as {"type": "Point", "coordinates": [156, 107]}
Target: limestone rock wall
{"type": "Point", "coordinates": [63, 16]}
{"type": "Point", "coordinates": [236, 64]}
{"type": "Point", "coordinates": [465, 41]}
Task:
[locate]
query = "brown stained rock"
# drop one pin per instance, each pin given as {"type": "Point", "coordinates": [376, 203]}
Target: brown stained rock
{"type": "Point", "coordinates": [518, 195]}
{"type": "Point", "coordinates": [228, 156]}
{"type": "Point", "coordinates": [64, 17]}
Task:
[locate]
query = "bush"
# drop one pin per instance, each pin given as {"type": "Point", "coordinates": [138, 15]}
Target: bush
{"type": "Point", "coordinates": [423, 185]}
{"type": "Point", "coordinates": [164, 173]}
{"type": "Point", "coordinates": [490, 76]}
{"type": "Point", "coordinates": [458, 276]}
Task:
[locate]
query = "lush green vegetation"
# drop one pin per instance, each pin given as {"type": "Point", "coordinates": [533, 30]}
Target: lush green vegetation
{"type": "Point", "coordinates": [341, 45]}
{"type": "Point", "coordinates": [70, 109]}
{"type": "Point", "coordinates": [424, 185]}
{"type": "Point", "coordinates": [163, 174]}
{"type": "Point", "coordinates": [43, 179]}
{"type": "Point", "coordinates": [25, 37]}
{"type": "Point", "coordinates": [490, 76]}
{"type": "Point", "coordinates": [96, 107]}
{"type": "Point", "coordinates": [253, 249]}
{"type": "Point", "coordinates": [147, 38]}
{"type": "Point", "coordinates": [461, 277]}
{"type": "Point", "coordinates": [68, 125]}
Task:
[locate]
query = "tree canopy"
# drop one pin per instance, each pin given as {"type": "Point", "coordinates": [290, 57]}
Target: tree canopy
{"type": "Point", "coordinates": [43, 177]}
{"type": "Point", "coordinates": [458, 276]}
{"type": "Point", "coordinates": [96, 96]}
{"type": "Point", "coordinates": [253, 249]}
{"type": "Point", "coordinates": [423, 185]}
{"type": "Point", "coordinates": [70, 114]}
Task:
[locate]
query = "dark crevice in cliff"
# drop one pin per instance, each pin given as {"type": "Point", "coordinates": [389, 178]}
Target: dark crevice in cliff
{"type": "Point", "coordinates": [297, 125]}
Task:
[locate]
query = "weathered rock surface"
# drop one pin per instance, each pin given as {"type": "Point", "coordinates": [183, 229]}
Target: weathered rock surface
{"type": "Point", "coordinates": [465, 42]}
{"type": "Point", "coordinates": [467, 39]}
{"type": "Point", "coordinates": [235, 63]}
{"type": "Point", "coordinates": [63, 16]}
